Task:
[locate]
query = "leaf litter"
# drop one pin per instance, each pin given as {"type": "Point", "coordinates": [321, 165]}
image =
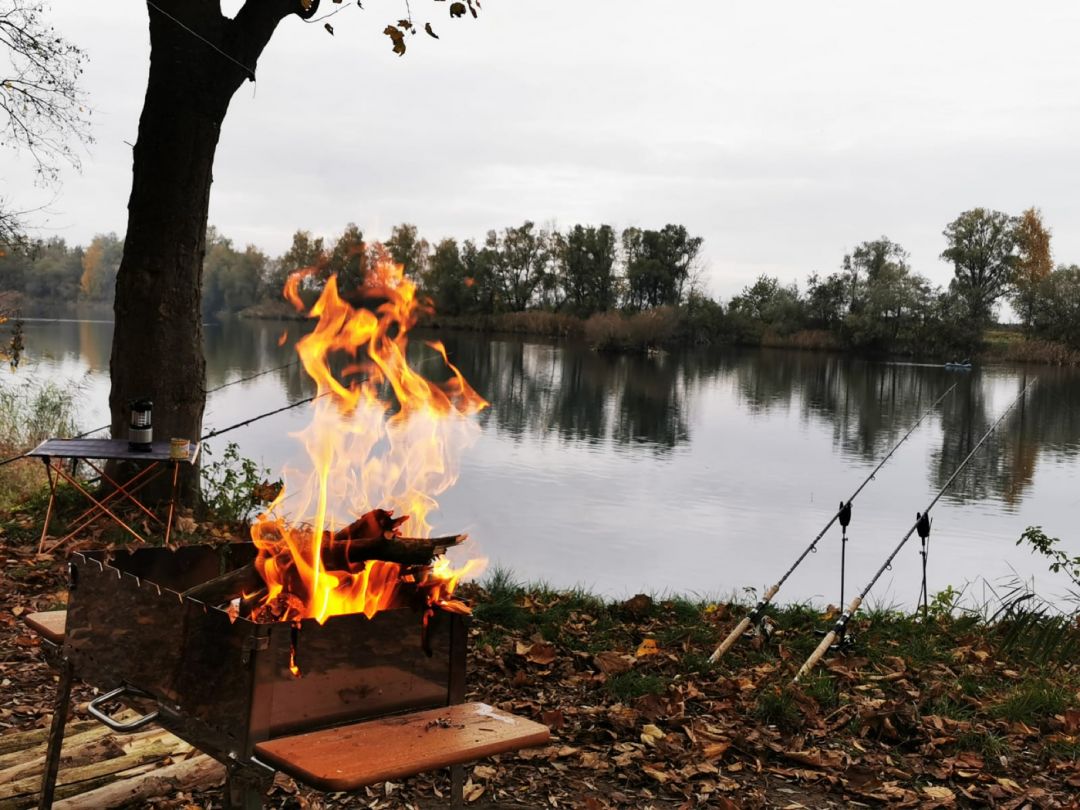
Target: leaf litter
{"type": "Point", "coordinates": [639, 719]}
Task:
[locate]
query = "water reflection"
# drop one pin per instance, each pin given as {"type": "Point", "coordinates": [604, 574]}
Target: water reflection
{"type": "Point", "coordinates": [579, 396]}
{"type": "Point", "coordinates": [576, 395]}
{"type": "Point", "coordinates": [544, 392]}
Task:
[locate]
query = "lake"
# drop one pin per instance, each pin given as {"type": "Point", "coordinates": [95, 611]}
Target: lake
{"type": "Point", "coordinates": [700, 472]}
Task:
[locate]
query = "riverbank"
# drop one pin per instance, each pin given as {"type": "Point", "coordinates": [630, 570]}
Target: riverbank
{"type": "Point", "coordinates": [954, 711]}
{"type": "Point", "coordinates": [666, 328]}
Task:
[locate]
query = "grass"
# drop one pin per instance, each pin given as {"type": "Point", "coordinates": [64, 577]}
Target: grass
{"type": "Point", "coordinates": [988, 744]}
{"type": "Point", "coordinates": [1013, 348]}
{"type": "Point", "coordinates": [1033, 702]}
{"type": "Point", "coordinates": [628, 686]}
{"type": "Point", "coordinates": [31, 412]}
{"type": "Point", "coordinates": [777, 707]}
{"type": "Point", "coordinates": [613, 331]}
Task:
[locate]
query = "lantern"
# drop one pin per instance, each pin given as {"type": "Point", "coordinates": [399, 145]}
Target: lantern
{"type": "Point", "coordinates": [141, 429]}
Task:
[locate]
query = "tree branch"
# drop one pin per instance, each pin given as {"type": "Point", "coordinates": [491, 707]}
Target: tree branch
{"type": "Point", "coordinates": [250, 31]}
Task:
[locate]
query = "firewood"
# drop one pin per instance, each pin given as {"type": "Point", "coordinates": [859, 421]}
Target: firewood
{"type": "Point", "coordinates": [70, 780]}
{"type": "Point", "coordinates": [198, 773]}
{"type": "Point", "coordinates": [95, 751]}
{"type": "Point", "coordinates": [29, 744]}
{"type": "Point", "coordinates": [10, 743]}
{"type": "Point", "coordinates": [341, 551]}
{"type": "Point", "coordinates": [228, 586]}
{"type": "Point", "coordinates": [374, 536]}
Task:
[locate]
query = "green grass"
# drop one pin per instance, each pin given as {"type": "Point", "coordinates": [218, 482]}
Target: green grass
{"type": "Point", "coordinates": [823, 689]}
{"type": "Point", "coordinates": [777, 707]}
{"type": "Point", "coordinates": [627, 686]}
{"type": "Point", "coordinates": [990, 745]}
{"type": "Point", "coordinates": [1064, 750]}
{"type": "Point", "coordinates": [948, 706]}
{"type": "Point", "coordinates": [1032, 702]}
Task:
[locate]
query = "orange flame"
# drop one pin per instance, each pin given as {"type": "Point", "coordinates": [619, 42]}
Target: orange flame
{"type": "Point", "coordinates": [382, 436]}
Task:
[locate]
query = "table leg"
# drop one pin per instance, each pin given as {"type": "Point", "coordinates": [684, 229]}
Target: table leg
{"type": "Point", "coordinates": [100, 506]}
{"type": "Point", "coordinates": [128, 489]}
{"type": "Point", "coordinates": [49, 508]}
{"type": "Point", "coordinates": [172, 500]}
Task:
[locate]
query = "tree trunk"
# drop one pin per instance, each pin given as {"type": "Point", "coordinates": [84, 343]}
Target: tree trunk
{"type": "Point", "coordinates": [198, 59]}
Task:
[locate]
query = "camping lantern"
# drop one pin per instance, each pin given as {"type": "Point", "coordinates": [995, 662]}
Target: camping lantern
{"type": "Point", "coordinates": [141, 430]}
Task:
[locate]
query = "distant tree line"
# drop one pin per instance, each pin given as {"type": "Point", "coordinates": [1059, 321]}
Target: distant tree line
{"type": "Point", "coordinates": [874, 302]}
{"type": "Point", "coordinates": [877, 303]}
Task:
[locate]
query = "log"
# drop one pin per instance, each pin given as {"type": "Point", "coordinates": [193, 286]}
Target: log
{"type": "Point", "coordinates": [69, 781]}
{"type": "Point", "coordinates": [228, 586]}
{"type": "Point", "coordinates": [29, 744]}
{"type": "Point", "coordinates": [95, 751]}
{"type": "Point", "coordinates": [374, 536]}
{"type": "Point", "coordinates": [40, 736]}
{"type": "Point", "coordinates": [342, 554]}
{"type": "Point", "coordinates": [198, 773]}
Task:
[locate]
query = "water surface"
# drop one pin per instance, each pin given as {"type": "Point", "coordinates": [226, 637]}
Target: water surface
{"type": "Point", "coordinates": [700, 472]}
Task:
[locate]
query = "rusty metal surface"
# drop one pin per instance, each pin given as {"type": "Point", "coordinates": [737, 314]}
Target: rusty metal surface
{"type": "Point", "coordinates": [225, 685]}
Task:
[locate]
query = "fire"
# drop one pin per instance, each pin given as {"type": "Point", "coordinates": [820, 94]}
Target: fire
{"type": "Point", "coordinates": [382, 437]}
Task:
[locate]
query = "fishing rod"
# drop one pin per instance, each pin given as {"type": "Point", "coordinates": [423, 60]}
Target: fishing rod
{"type": "Point", "coordinates": [843, 514]}
{"type": "Point", "coordinates": [922, 525]}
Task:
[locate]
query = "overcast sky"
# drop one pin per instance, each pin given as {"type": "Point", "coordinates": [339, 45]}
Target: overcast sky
{"type": "Point", "coordinates": [782, 132]}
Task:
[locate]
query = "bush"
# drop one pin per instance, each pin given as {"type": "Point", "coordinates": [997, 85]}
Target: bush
{"type": "Point", "coordinates": [234, 487]}
{"type": "Point", "coordinates": [651, 329]}
{"type": "Point", "coordinates": [33, 411]}
{"type": "Point", "coordinates": [29, 414]}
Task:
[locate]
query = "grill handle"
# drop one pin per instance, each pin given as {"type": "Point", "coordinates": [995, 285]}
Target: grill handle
{"type": "Point", "coordinates": [113, 723]}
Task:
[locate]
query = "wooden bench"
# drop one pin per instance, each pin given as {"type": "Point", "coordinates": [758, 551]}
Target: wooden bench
{"type": "Point", "coordinates": [350, 757]}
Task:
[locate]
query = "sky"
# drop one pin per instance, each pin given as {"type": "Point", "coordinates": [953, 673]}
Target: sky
{"type": "Point", "coordinates": [783, 132]}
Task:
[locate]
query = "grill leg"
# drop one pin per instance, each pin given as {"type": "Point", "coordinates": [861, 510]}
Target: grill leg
{"type": "Point", "coordinates": [457, 786]}
{"type": "Point", "coordinates": [56, 735]}
{"type": "Point", "coordinates": [243, 792]}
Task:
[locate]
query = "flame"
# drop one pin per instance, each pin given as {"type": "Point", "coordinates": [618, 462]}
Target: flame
{"type": "Point", "coordinates": [381, 436]}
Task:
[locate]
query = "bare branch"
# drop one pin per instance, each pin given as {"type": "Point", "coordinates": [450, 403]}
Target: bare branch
{"type": "Point", "coordinates": [42, 108]}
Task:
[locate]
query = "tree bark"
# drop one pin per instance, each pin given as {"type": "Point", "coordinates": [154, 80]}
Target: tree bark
{"type": "Point", "coordinates": [198, 59]}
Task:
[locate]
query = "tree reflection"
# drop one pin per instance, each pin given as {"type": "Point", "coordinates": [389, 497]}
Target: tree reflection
{"type": "Point", "coordinates": [578, 395]}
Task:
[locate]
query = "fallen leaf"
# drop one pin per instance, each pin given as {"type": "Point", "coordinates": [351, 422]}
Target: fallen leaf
{"type": "Point", "coordinates": [647, 647]}
{"type": "Point", "coordinates": [540, 652]}
{"type": "Point", "coordinates": [613, 663]}
{"type": "Point", "coordinates": [939, 793]}
{"type": "Point", "coordinates": [650, 734]}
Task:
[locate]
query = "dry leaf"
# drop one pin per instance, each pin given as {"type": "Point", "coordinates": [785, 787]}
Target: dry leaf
{"type": "Point", "coordinates": [612, 663]}
{"type": "Point", "coordinates": [650, 734]}
{"type": "Point", "coordinates": [647, 647]}
{"type": "Point", "coordinates": [473, 791]}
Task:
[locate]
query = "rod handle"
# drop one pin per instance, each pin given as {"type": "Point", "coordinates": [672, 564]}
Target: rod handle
{"type": "Point", "coordinates": [827, 642]}
{"type": "Point", "coordinates": [816, 655]}
{"type": "Point", "coordinates": [742, 626]}
{"type": "Point", "coordinates": [729, 642]}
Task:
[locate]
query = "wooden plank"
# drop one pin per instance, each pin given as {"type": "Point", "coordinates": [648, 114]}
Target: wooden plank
{"type": "Point", "coordinates": [50, 624]}
{"type": "Point", "coordinates": [349, 757]}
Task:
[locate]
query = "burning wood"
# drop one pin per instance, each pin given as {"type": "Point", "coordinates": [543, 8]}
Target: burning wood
{"type": "Point", "coordinates": [369, 544]}
{"type": "Point", "coordinates": [381, 434]}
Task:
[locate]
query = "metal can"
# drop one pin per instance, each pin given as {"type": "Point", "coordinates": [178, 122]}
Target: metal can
{"type": "Point", "coordinates": [178, 449]}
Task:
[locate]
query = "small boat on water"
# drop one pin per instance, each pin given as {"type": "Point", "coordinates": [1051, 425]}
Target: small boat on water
{"type": "Point", "coordinates": [963, 365]}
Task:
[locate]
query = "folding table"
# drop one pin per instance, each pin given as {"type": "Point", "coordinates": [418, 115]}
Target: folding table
{"type": "Point", "coordinates": [150, 465]}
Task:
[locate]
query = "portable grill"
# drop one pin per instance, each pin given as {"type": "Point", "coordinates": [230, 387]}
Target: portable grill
{"type": "Point", "coordinates": [224, 683]}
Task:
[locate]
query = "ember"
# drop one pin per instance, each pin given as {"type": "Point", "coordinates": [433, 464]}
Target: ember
{"type": "Point", "coordinates": [383, 444]}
